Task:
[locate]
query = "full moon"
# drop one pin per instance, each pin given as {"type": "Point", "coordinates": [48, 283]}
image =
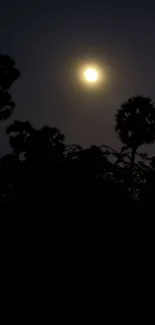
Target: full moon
{"type": "Point", "coordinates": [91, 75]}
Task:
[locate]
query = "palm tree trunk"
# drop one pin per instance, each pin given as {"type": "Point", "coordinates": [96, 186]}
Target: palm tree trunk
{"type": "Point", "coordinates": [129, 181]}
{"type": "Point", "coordinates": [133, 157]}
{"type": "Point", "coordinates": [133, 154]}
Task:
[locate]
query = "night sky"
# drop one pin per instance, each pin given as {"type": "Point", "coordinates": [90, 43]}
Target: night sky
{"type": "Point", "coordinates": [47, 39]}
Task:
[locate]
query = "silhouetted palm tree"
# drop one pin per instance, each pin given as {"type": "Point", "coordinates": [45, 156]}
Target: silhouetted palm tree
{"type": "Point", "coordinates": [135, 124]}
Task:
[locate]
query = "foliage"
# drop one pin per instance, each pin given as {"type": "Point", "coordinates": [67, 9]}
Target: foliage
{"type": "Point", "coordinates": [135, 121]}
{"type": "Point", "coordinates": [8, 74]}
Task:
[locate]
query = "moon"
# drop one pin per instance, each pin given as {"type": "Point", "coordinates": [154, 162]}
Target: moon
{"type": "Point", "coordinates": [91, 75]}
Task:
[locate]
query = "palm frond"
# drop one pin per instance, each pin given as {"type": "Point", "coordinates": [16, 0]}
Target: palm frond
{"type": "Point", "coordinates": [135, 121]}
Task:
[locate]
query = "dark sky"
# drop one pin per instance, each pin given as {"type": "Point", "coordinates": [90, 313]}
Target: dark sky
{"type": "Point", "coordinates": [47, 39]}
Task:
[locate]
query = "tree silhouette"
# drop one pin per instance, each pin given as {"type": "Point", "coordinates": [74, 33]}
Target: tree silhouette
{"type": "Point", "coordinates": [41, 153]}
{"type": "Point", "coordinates": [8, 74]}
{"type": "Point", "coordinates": [45, 144]}
{"type": "Point", "coordinates": [135, 125]}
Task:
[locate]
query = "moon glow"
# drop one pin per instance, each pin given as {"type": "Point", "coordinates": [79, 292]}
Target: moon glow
{"type": "Point", "coordinates": [91, 75]}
